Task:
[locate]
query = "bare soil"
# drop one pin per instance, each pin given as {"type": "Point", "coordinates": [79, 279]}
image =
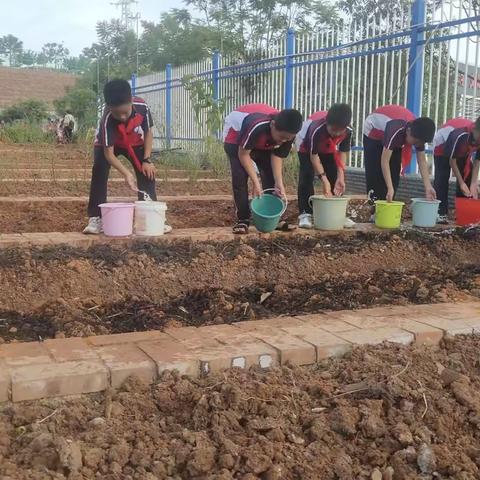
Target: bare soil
{"type": "Point", "coordinates": [73, 292]}
{"type": "Point", "coordinates": [67, 216]}
{"type": "Point", "coordinates": [404, 413]}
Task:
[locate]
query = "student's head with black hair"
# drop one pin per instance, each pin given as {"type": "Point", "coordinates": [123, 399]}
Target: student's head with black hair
{"type": "Point", "coordinates": [476, 131]}
{"type": "Point", "coordinates": [285, 125]}
{"type": "Point", "coordinates": [118, 98]}
{"type": "Point", "coordinates": [338, 119]}
{"type": "Point", "coordinates": [420, 131]}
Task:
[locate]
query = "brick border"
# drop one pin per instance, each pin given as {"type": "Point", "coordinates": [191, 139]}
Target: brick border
{"type": "Point", "coordinates": [73, 366]}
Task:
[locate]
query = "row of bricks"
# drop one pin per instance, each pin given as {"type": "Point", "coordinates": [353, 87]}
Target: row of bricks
{"type": "Point", "coordinates": [75, 365]}
{"type": "Point", "coordinates": [222, 234]}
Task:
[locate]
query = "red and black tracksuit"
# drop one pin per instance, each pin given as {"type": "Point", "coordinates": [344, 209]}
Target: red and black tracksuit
{"type": "Point", "coordinates": [386, 127]}
{"type": "Point", "coordinates": [249, 127]}
{"type": "Point", "coordinates": [127, 140]}
{"type": "Point", "coordinates": [453, 139]}
{"type": "Point", "coordinates": [314, 139]}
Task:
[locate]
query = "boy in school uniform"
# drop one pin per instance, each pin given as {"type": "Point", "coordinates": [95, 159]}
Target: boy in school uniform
{"type": "Point", "coordinates": [455, 147]}
{"type": "Point", "coordinates": [323, 144]}
{"type": "Point", "coordinates": [260, 134]}
{"type": "Point", "coordinates": [124, 129]}
{"type": "Point", "coordinates": [389, 133]}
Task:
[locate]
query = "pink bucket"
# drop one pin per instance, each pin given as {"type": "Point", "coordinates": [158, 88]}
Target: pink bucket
{"type": "Point", "coordinates": [117, 219]}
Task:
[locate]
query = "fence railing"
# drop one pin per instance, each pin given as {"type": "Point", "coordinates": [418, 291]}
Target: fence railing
{"type": "Point", "coordinates": [425, 57]}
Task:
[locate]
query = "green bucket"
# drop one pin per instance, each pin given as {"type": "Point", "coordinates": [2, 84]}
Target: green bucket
{"type": "Point", "coordinates": [267, 211]}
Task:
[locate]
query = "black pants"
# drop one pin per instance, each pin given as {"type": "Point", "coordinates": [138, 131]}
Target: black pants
{"type": "Point", "coordinates": [262, 158]}
{"type": "Point", "coordinates": [442, 180]}
{"type": "Point", "coordinates": [100, 171]}
{"type": "Point", "coordinates": [372, 154]}
{"type": "Point", "coordinates": [307, 174]}
{"type": "Point", "coordinates": [68, 134]}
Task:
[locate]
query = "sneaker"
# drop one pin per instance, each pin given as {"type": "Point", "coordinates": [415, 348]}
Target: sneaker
{"type": "Point", "coordinates": [305, 220]}
{"type": "Point", "coordinates": [167, 229]}
{"type": "Point", "coordinates": [442, 220]}
{"type": "Point", "coordinates": [349, 223]}
{"type": "Point", "coordinates": [94, 226]}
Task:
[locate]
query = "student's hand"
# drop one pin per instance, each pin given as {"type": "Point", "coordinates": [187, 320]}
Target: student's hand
{"type": "Point", "coordinates": [430, 193]}
{"type": "Point", "coordinates": [130, 181]}
{"type": "Point", "coordinates": [390, 194]}
{"type": "Point", "coordinates": [474, 190]}
{"type": "Point", "coordinates": [327, 189]}
{"type": "Point", "coordinates": [280, 190]}
{"type": "Point", "coordinates": [465, 190]}
{"type": "Point", "coordinates": [257, 189]}
{"type": "Point", "coordinates": [148, 170]}
{"type": "Point", "coordinates": [339, 188]}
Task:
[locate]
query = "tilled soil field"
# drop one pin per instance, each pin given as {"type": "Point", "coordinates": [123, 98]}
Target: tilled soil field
{"type": "Point", "coordinates": [380, 412]}
{"type": "Point", "coordinates": [64, 216]}
{"type": "Point", "coordinates": [73, 292]}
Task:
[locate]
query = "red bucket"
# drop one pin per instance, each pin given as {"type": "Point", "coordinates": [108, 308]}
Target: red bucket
{"type": "Point", "coordinates": [467, 211]}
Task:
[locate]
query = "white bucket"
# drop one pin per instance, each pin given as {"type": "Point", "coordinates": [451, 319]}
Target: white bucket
{"type": "Point", "coordinates": [329, 213]}
{"type": "Point", "coordinates": [150, 218]}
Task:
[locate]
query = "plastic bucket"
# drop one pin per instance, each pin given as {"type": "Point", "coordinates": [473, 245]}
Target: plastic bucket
{"type": "Point", "coordinates": [388, 214]}
{"type": "Point", "coordinates": [329, 213]}
{"type": "Point", "coordinates": [267, 211]}
{"type": "Point", "coordinates": [467, 211]}
{"type": "Point", "coordinates": [117, 219]}
{"type": "Point", "coordinates": [424, 212]}
{"type": "Point", "coordinates": [150, 218]}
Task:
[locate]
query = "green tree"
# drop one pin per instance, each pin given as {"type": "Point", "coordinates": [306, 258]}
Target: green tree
{"type": "Point", "coordinates": [29, 110]}
{"type": "Point", "coordinates": [81, 102]}
{"type": "Point", "coordinates": [28, 58]}
{"type": "Point", "coordinates": [11, 47]}
{"type": "Point", "coordinates": [55, 53]}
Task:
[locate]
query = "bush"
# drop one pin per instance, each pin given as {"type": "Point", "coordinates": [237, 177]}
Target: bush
{"type": "Point", "coordinates": [81, 103]}
{"type": "Point", "coordinates": [30, 111]}
{"type": "Point", "coordinates": [24, 132]}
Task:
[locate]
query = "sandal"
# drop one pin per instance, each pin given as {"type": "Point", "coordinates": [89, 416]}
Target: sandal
{"type": "Point", "coordinates": [240, 228]}
{"type": "Point", "coordinates": [284, 226]}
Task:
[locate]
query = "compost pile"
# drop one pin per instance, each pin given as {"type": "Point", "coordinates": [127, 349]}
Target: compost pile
{"type": "Point", "coordinates": [404, 413]}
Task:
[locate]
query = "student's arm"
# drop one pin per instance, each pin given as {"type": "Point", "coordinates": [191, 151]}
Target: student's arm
{"type": "Point", "coordinates": [474, 182]}
{"type": "Point", "coordinates": [423, 167]}
{"type": "Point", "coordinates": [339, 188]}
{"type": "Point", "coordinates": [117, 164]}
{"type": "Point", "coordinates": [247, 164]}
{"type": "Point", "coordinates": [320, 171]}
{"type": "Point", "coordinates": [148, 169]}
{"type": "Point", "coordinates": [386, 156]}
{"type": "Point", "coordinates": [458, 175]}
{"type": "Point", "coordinates": [277, 169]}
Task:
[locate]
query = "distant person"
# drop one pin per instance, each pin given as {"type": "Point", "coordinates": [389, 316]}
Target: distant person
{"type": "Point", "coordinates": [68, 126]}
{"type": "Point", "coordinates": [389, 133]}
{"type": "Point", "coordinates": [261, 135]}
{"type": "Point", "coordinates": [323, 144]}
{"type": "Point", "coordinates": [124, 129]}
{"type": "Point", "coordinates": [455, 147]}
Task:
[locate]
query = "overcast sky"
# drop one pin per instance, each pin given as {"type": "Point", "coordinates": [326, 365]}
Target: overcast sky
{"type": "Point", "coordinates": [37, 22]}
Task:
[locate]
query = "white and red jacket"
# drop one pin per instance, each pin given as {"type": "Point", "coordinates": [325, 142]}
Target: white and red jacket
{"type": "Point", "coordinates": [314, 138]}
{"type": "Point", "coordinates": [454, 139]}
{"type": "Point", "coordinates": [388, 125]}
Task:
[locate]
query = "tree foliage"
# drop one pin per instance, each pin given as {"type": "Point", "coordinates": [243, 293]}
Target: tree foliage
{"type": "Point", "coordinates": [30, 110]}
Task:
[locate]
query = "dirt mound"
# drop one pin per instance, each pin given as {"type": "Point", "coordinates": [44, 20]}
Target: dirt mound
{"type": "Point", "coordinates": [404, 413]}
{"type": "Point", "coordinates": [109, 289]}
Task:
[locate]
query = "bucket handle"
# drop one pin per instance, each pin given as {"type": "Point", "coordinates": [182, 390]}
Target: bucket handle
{"type": "Point", "coordinates": [412, 203]}
{"type": "Point", "coordinates": [284, 198]}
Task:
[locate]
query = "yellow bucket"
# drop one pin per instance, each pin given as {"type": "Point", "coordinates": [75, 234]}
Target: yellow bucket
{"type": "Point", "coordinates": [388, 214]}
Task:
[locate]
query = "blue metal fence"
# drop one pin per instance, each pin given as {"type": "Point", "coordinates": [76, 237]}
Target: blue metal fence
{"type": "Point", "coordinates": [411, 58]}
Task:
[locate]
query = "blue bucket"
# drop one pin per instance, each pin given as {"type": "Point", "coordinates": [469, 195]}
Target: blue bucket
{"type": "Point", "coordinates": [267, 211]}
{"type": "Point", "coordinates": [424, 212]}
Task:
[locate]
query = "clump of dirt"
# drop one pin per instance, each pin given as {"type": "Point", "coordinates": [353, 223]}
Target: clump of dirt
{"type": "Point", "coordinates": [75, 292]}
{"type": "Point", "coordinates": [386, 412]}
